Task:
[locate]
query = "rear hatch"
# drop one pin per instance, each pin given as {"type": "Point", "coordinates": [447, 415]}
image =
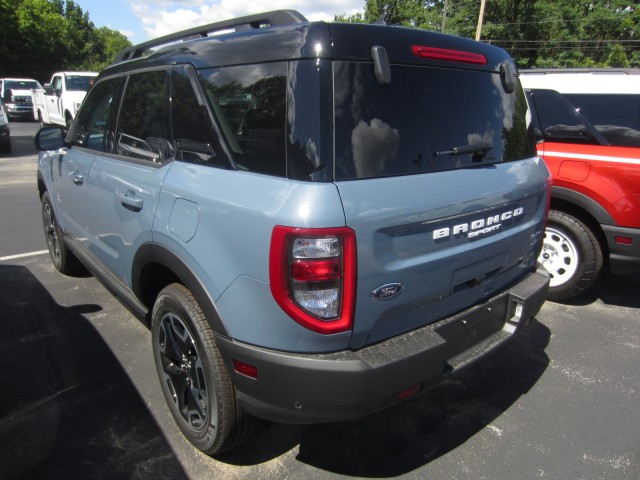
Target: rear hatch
{"type": "Point", "coordinates": [439, 179]}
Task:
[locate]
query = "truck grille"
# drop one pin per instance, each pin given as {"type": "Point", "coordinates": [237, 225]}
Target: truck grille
{"type": "Point", "coordinates": [23, 101]}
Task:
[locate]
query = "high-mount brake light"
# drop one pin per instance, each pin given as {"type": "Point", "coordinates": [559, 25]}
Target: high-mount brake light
{"type": "Point", "coordinates": [312, 276]}
{"type": "Point", "coordinates": [435, 53]}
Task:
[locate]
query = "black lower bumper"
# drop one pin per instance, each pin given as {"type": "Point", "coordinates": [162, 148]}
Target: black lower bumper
{"type": "Point", "coordinates": [315, 388]}
{"type": "Point", "coordinates": [624, 249]}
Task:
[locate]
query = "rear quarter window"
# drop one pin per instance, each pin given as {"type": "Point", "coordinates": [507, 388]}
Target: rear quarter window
{"type": "Point", "coordinates": [404, 127]}
{"type": "Point", "coordinates": [249, 103]}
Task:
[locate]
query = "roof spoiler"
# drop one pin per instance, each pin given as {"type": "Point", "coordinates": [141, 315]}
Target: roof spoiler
{"type": "Point", "coordinates": [261, 20]}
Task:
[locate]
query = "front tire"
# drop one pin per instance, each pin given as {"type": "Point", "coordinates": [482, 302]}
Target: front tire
{"type": "Point", "coordinates": [571, 254]}
{"type": "Point", "coordinates": [193, 376]}
{"type": "Point", "coordinates": [62, 258]}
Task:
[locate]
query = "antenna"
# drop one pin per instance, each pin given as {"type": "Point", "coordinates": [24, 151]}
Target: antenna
{"type": "Point", "coordinates": [385, 18]}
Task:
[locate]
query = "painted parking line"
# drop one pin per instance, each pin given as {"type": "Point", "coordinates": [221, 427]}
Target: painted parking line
{"type": "Point", "coordinates": [23, 255]}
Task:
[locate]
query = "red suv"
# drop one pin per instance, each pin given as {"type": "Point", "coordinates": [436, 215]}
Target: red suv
{"type": "Point", "coordinates": [588, 127]}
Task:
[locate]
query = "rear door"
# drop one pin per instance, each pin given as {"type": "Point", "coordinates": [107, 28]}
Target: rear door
{"type": "Point", "coordinates": [440, 182]}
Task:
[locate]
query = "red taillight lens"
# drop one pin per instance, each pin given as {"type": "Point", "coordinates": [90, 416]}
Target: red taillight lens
{"type": "Point", "coordinates": [316, 271]}
{"type": "Point", "coordinates": [312, 276]}
{"type": "Point", "coordinates": [435, 53]}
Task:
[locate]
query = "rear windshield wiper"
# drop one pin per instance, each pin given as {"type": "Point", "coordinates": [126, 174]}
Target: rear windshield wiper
{"type": "Point", "coordinates": [578, 132]}
{"type": "Point", "coordinates": [475, 148]}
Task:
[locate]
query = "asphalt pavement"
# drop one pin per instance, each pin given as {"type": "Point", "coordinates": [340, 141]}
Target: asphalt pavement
{"type": "Point", "coordinates": [79, 396]}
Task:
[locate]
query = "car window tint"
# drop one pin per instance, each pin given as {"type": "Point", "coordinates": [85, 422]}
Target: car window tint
{"type": "Point", "coordinates": [91, 125]}
{"type": "Point", "coordinates": [418, 119]}
{"type": "Point", "coordinates": [142, 126]}
{"type": "Point", "coordinates": [194, 137]}
{"type": "Point", "coordinates": [615, 116]}
{"type": "Point", "coordinates": [249, 103]}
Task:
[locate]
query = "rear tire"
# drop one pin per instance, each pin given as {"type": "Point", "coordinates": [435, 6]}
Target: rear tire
{"type": "Point", "coordinates": [62, 258]}
{"type": "Point", "coordinates": [571, 254]}
{"type": "Point", "coordinates": [193, 376]}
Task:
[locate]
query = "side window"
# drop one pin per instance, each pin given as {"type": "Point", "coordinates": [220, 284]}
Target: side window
{"type": "Point", "coordinates": [249, 103]}
{"type": "Point", "coordinates": [142, 128]}
{"type": "Point", "coordinates": [194, 138]}
{"type": "Point", "coordinates": [57, 84]}
{"type": "Point", "coordinates": [90, 128]}
{"type": "Point", "coordinates": [561, 121]}
{"type": "Point", "coordinates": [616, 116]}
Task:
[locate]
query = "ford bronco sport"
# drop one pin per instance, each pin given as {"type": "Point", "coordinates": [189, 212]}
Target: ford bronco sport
{"type": "Point", "coordinates": [318, 220]}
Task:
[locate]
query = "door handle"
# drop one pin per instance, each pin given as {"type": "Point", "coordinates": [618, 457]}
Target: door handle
{"type": "Point", "coordinates": [76, 178]}
{"type": "Point", "coordinates": [130, 200]}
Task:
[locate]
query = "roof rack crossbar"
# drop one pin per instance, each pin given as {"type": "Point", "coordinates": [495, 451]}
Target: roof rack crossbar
{"type": "Point", "coordinates": [261, 20]}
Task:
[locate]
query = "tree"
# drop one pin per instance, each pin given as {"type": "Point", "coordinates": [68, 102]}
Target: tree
{"type": "Point", "coordinates": [38, 37]}
{"type": "Point", "coordinates": [537, 33]}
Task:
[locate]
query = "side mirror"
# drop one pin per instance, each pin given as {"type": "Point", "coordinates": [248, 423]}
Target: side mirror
{"type": "Point", "coordinates": [49, 138]}
{"type": "Point", "coordinates": [47, 89]}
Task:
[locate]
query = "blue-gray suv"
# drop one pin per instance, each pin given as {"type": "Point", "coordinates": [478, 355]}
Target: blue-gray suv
{"type": "Point", "coordinates": [317, 220]}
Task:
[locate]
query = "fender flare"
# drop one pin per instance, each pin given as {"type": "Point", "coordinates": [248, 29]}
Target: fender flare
{"type": "Point", "coordinates": [153, 253]}
{"type": "Point", "coordinates": [583, 202]}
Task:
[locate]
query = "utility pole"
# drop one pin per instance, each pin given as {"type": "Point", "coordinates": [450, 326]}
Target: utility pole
{"type": "Point", "coordinates": [444, 16]}
{"type": "Point", "coordinates": [480, 19]}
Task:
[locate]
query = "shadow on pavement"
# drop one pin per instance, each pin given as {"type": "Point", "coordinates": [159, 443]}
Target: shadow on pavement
{"type": "Point", "coordinates": [67, 408]}
{"type": "Point", "coordinates": [21, 144]}
{"type": "Point", "coordinates": [618, 290]}
{"type": "Point", "coordinates": [405, 437]}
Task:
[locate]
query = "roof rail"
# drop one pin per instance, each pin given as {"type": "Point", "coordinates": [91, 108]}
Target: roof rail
{"type": "Point", "coordinates": [249, 22]}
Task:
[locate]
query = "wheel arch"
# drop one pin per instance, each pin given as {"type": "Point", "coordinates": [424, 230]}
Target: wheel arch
{"type": "Point", "coordinates": [155, 266]}
{"type": "Point", "coordinates": [591, 213]}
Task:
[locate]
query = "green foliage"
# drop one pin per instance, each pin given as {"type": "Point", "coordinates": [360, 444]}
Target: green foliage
{"type": "Point", "coordinates": [40, 37]}
{"type": "Point", "coordinates": [537, 33]}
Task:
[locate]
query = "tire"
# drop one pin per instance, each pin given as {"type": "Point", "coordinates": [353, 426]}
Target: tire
{"type": "Point", "coordinates": [571, 254]}
{"type": "Point", "coordinates": [62, 258]}
{"type": "Point", "coordinates": [41, 119]}
{"type": "Point", "coordinates": [193, 376]}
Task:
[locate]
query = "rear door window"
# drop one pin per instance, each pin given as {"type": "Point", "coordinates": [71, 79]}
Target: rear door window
{"type": "Point", "coordinates": [417, 122]}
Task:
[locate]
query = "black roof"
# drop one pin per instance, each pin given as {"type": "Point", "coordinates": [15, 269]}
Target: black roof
{"type": "Point", "coordinates": [292, 37]}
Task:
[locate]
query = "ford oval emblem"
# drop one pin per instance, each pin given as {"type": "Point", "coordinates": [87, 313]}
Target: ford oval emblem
{"type": "Point", "coordinates": [387, 291]}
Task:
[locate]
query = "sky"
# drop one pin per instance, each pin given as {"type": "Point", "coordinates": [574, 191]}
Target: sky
{"type": "Point", "coordinates": [141, 20]}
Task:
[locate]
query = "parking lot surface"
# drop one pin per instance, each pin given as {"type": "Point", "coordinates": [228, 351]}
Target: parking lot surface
{"type": "Point", "coordinates": [80, 397]}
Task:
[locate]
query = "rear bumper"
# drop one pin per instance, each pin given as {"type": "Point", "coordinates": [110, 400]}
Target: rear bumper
{"type": "Point", "coordinates": [623, 258]}
{"type": "Point", "coordinates": [315, 388]}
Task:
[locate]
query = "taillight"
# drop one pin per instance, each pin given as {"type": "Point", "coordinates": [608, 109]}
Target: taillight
{"type": "Point", "coordinates": [435, 53]}
{"type": "Point", "coordinates": [312, 274]}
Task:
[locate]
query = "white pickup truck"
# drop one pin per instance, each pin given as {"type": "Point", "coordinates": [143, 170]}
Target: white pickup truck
{"type": "Point", "coordinates": [59, 101]}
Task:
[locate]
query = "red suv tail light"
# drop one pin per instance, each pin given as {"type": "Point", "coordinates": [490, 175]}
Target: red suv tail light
{"type": "Point", "coordinates": [312, 276]}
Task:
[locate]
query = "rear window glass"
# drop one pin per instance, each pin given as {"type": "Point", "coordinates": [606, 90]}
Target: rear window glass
{"type": "Point", "coordinates": [423, 120]}
{"type": "Point", "coordinates": [615, 116]}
